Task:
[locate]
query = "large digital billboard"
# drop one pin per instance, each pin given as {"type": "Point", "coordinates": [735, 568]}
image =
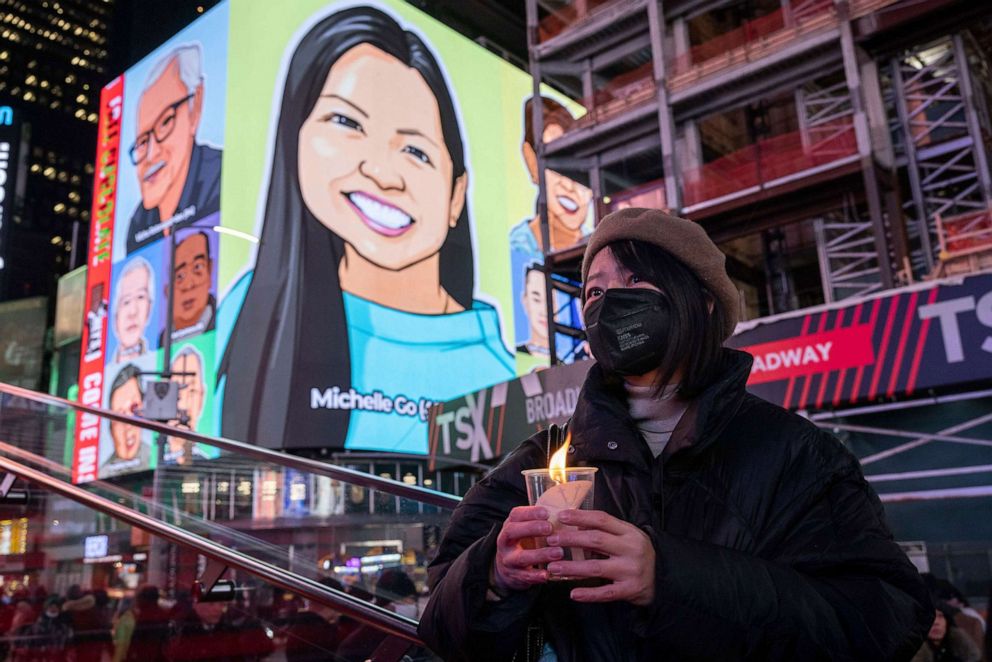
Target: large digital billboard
{"type": "Point", "coordinates": [344, 188]}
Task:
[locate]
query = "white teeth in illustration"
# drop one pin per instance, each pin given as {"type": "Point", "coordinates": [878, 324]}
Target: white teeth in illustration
{"type": "Point", "coordinates": [571, 206]}
{"type": "Point", "coordinates": [379, 213]}
{"type": "Point", "coordinates": [154, 168]}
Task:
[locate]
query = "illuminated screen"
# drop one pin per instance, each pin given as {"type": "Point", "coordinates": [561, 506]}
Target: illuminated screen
{"type": "Point", "coordinates": [346, 189]}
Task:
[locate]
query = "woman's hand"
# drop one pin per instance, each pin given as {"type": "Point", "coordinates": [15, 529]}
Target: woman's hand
{"type": "Point", "coordinates": [516, 557]}
{"type": "Point", "coordinates": [629, 566]}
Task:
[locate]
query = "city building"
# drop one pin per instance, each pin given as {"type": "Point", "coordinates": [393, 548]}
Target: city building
{"type": "Point", "coordinates": [53, 63]}
{"type": "Point", "coordinates": [832, 149]}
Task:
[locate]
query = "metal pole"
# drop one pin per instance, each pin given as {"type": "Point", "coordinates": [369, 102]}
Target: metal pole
{"type": "Point", "coordinates": [75, 240]}
{"type": "Point", "coordinates": [912, 167]}
{"type": "Point", "coordinates": [537, 121]}
{"type": "Point", "coordinates": [889, 432]}
{"type": "Point", "coordinates": [893, 406]}
{"type": "Point", "coordinates": [666, 123]}
{"type": "Point", "coordinates": [852, 74]}
{"type": "Point", "coordinates": [935, 495]}
{"type": "Point", "coordinates": [971, 114]}
{"type": "Point", "coordinates": [157, 551]}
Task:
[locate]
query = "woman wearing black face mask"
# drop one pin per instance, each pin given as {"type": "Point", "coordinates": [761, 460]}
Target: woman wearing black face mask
{"type": "Point", "coordinates": [725, 527]}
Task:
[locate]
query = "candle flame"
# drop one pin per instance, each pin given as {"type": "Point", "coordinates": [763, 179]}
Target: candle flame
{"type": "Point", "coordinates": [556, 468]}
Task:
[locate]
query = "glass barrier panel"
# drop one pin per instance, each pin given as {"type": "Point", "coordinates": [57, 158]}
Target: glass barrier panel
{"type": "Point", "coordinates": [295, 518]}
{"type": "Point", "coordinates": [79, 585]}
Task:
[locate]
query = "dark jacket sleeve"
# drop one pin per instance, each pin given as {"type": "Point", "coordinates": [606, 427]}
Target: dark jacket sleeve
{"type": "Point", "coordinates": [831, 584]}
{"type": "Point", "coordinates": [458, 622]}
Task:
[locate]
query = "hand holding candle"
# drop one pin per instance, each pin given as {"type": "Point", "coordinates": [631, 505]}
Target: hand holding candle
{"type": "Point", "coordinates": [560, 488]}
{"type": "Point", "coordinates": [628, 566]}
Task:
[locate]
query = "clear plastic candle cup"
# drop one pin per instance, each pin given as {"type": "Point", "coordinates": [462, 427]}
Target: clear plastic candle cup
{"type": "Point", "coordinates": [575, 492]}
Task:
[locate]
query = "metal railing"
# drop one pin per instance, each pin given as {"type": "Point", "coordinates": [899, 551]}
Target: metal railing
{"type": "Point", "coordinates": [367, 612]}
{"type": "Point", "coordinates": [387, 485]}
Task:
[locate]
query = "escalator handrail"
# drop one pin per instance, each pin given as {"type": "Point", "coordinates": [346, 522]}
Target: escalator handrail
{"type": "Point", "coordinates": [351, 476]}
{"type": "Point", "coordinates": [367, 612]}
{"type": "Point", "coordinates": [56, 469]}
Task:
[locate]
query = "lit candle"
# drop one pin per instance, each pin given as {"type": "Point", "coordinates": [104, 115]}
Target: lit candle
{"type": "Point", "coordinates": [561, 488]}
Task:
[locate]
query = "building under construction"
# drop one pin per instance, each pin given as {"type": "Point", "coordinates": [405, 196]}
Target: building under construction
{"type": "Point", "coordinates": [838, 152]}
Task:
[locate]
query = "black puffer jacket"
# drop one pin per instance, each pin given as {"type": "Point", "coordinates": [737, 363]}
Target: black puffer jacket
{"type": "Point", "coordinates": [770, 544]}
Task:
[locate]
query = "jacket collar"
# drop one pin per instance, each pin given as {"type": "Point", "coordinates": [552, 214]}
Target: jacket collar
{"type": "Point", "coordinates": [603, 431]}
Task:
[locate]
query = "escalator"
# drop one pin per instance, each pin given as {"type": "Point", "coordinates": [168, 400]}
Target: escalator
{"type": "Point", "coordinates": [240, 553]}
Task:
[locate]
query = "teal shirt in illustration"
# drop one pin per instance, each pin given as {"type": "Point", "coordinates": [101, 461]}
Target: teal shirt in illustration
{"type": "Point", "coordinates": [421, 358]}
{"type": "Point", "coordinates": [523, 241]}
{"type": "Point", "coordinates": [410, 358]}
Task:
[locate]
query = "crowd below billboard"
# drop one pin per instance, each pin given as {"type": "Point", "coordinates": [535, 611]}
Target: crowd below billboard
{"type": "Point", "coordinates": [323, 191]}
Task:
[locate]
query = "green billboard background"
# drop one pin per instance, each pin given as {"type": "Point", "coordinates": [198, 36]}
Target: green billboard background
{"type": "Point", "coordinates": [488, 95]}
{"type": "Point", "coordinates": [489, 92]}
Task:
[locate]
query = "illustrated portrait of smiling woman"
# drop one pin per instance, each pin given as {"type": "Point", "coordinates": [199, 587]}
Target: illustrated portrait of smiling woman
{"type": "Point", "coordinates": [364, 277]}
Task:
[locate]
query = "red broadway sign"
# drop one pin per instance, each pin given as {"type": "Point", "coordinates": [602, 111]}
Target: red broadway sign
{"type": "Point", "coordinates": [808, 355]}
{"type": "Point", "coordinates": [932, 336]}
{"type": "Point", "coordinates": [91, 386]}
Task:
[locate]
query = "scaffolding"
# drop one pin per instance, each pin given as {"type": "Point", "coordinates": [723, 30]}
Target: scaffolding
{"type": "Point", "coordinates": [845, 241]}
{"type": "Point", "coordinates": [941, 137]}
{"type": "Point", "coordinates": [880, 149]}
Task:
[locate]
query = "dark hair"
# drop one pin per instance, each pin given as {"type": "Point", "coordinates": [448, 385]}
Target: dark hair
{"type": "Point", "coordinates": [554, 113]}
{"type": "Point", "coordinates": [696, 343]}
{"type": "Point", "coordinates": [127, 373]}
{"type": "Point", "coordinates": [147, 595]}
{"type": "Point", "coordinates": [532, 267]}
{"type": "Point", "coordinates": [292, 334]}
{"type": "Point", "coordinates": [206, 241]}
{"type": "Point", "coordinates": [393, 585]}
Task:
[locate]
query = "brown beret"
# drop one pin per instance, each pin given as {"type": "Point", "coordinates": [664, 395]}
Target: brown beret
{"type": "Point", "coordinates": [685, 240]}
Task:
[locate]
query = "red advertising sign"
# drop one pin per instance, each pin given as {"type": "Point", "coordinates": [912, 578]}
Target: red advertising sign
{"type": "Point", "coordinates": [934, 336]}
{"type": "Point", "coordinates": [87, 439]}
{"type": "Point", "coordinates": [807, 355]}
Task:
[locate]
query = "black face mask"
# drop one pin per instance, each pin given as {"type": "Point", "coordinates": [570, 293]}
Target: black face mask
{"type": "Point", "coordinates": [627, 329]}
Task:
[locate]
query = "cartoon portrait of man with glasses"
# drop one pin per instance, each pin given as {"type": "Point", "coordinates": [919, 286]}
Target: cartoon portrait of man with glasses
{"type": "Point", "coordinates": [179, 178]}
{"type": "Point", "coordinates": [194, 306]}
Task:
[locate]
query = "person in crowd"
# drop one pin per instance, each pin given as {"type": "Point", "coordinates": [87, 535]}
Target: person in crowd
{"type": "Point", "coordinates": [133, 300]}
{"type": "Point", "coordinates": [966, 619]}
{"type": "Point", "coordinates": [394, 591]}
{"type": "Point", "coordinates": [724, 527]}
{"type": "Point", "coordinates": [946, 642]}
{"type": "Point", "coordinates": [182, 608]}
{"type": "Point", "coordinates": [354, 587]}
{"type": "Point", "coordinates": [221, 634]}
{"type": "Point", "coordinates": [179, 178]}
{"type": "Point", "coordinates": [143, 630]}
{"type": "Point", "coordinates": [87, 614]}
{"type": "Point", "coordinates": [988, 630]}
{"type": "Point", "coordinates": [17, 639]}
{"type": "Point", "coordinates": [312, 633]}
{"type": "Point", "coordinates": [48, 639]}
